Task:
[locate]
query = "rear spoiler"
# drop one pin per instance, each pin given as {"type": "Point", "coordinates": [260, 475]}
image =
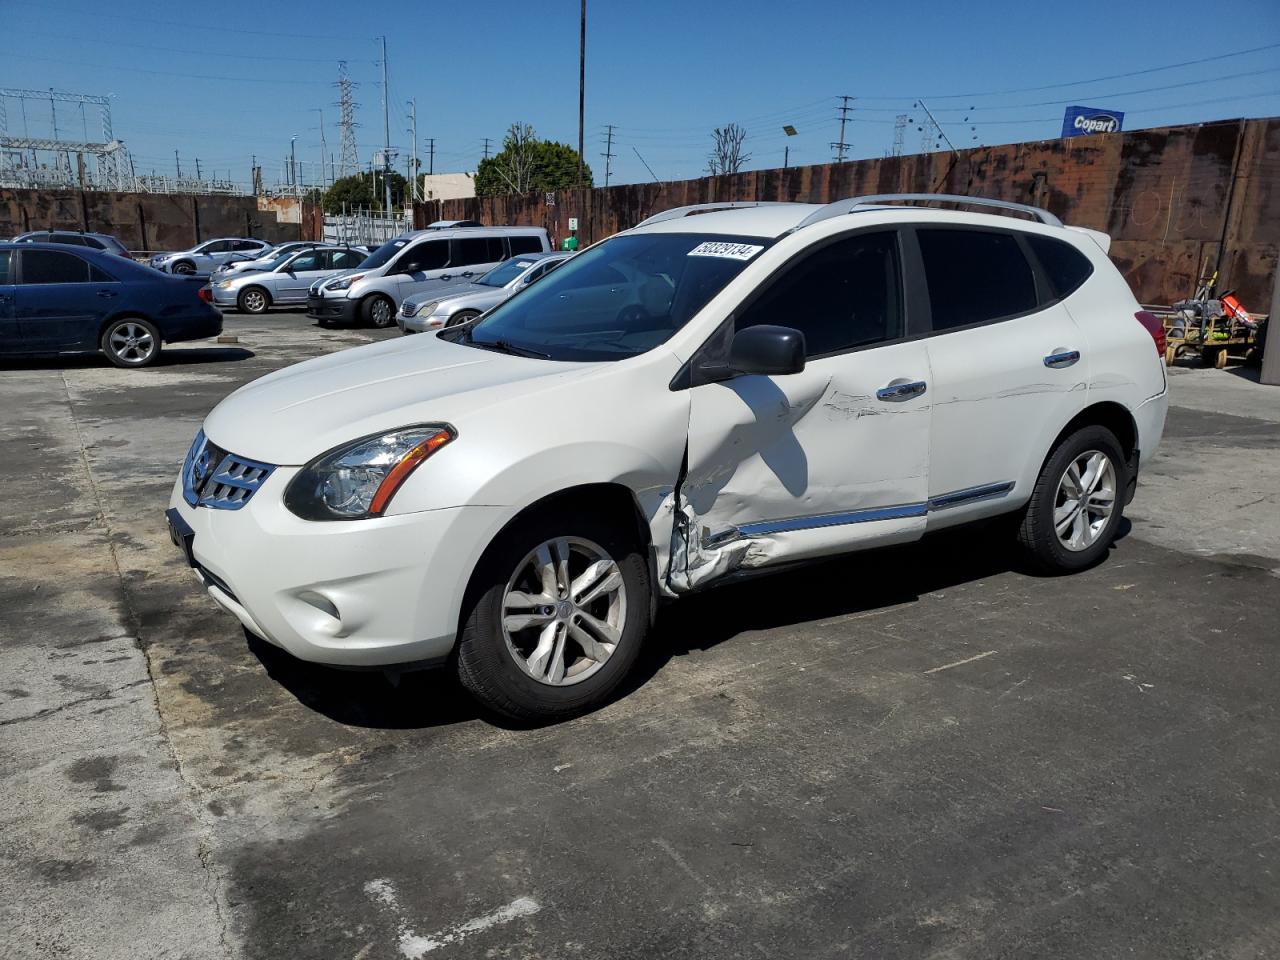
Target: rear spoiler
{"type": "Point", "coordinates": [1097, 236]}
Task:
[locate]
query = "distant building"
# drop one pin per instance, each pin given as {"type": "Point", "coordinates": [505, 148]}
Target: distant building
{"type": "Point", "coordinates": [448, 186]}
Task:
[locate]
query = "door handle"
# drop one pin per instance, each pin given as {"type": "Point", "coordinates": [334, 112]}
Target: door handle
{"type": "Point", "coordinates": [105, 294]}
{"type": "Point", "coordinates": [901, 390]}
{"type": "Point", "coordinates": [467, 273]}
{"type": "Point", "coordinates": [1061, 358]}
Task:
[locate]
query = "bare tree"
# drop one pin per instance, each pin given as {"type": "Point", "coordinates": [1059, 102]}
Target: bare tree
{"type": "Point", "coordinates": [518, 157]}
{"type": "Point", "coordinates": [726, 155]}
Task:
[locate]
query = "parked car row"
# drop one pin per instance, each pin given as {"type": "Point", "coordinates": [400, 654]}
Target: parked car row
{"type": "Point", "coordinates": [284, 279]}
{"type": "Point", "coordinates": [457, 303]}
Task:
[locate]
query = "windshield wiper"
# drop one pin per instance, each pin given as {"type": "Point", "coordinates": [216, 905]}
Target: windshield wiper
{"type": "Point", "coordinates": [505, 346]}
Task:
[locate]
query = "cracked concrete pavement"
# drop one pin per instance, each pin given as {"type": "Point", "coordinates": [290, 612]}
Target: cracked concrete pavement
{"type": "Point", "coordinates": [922, 751]}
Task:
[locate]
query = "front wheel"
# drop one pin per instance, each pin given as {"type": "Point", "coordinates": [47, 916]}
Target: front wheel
{"type": "Point", "coordinates": [378, 311]}
{"type": "Point", "coordinates": [560, 609]}
{"type": "Point", "coordinates": [461, 317]}
{"type": "Point", "coordinates": [184, 268]}
{"type": "Point", "coordinates": [1077, 503]}
{"type": "Point", "coordinates": [131, 342]}
{"type": "Point", "coordinates": [254, 300]}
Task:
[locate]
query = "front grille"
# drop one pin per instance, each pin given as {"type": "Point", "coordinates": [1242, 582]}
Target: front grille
{"type": "Point", "coordinates": [215, 478]}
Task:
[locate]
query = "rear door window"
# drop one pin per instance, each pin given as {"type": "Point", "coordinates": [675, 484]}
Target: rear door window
{"type": "Point", "coordinates": [468, 251]}
{"type": "Point", "coordinates": [49, 266]}
{"type": "Point", "coordinates": [71, 238]}
{"type": "Point", "coordinates": [975, 276]}
{"type": "Point", "coordinates": [346, 259]}
{"type": "Point", "coordinates": [5, 275]}
{"type": "Point", "coordinates": [524, 244]}
{"type": "Point", "coordinates": [1065, 266]}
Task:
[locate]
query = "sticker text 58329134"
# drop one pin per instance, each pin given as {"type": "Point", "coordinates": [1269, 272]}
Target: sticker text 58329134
{"type": "Point", "coordinates": [730, 251]}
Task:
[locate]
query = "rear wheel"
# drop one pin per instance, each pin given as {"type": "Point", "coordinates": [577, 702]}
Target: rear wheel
{"type": "Point", "coordinates": [254, 300]}
{"type": "Point", "coordinates": [1077, 503]}
{"type": "Point", "coordinates": [560, 609]}
{"type": "Point", "coordinates": [131, 342]}
{"type": "Point", "coordinates": [378, 311]}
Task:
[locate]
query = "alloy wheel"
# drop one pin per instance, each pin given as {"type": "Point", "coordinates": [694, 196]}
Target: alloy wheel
{"type": "Point", "coordinates": [255, 301]}
{"type": "Point", "coordinates": [132, 343]}
{"type": "Point", "coordinates": [564, 610]}
{"type": "Point", "coordinates": [380, 313]}
{"type": "Point", "coordinates": [1085, 500]}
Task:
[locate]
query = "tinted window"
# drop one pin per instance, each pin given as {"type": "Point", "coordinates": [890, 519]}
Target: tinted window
{"type": "Point", "coordinates": [91, 243]}
{"type": "Point", "coordinates": [1065, 266]}
{"type": "Point", "coordinates": [217, 246]}
{"type": "Point", "coordinates": [72, 238]}
{"type": "Point", "coordinates": [975, 276]}
{"type": "Point", "coordinates": [346, 259]}
{"type": "Point", "coordinates": [469, 250]}
{"type": "Point", "coordinates": [844, 295]}
{"type": "Point", "coordinates": [385, 252]}
{"type": "Point", "coordinates": [521, 245]}
{"type": "Point", "coordinates": [305, 261]}
{"type": "Point", "coordinates": [425, 256]}
{"type": "Point", "coordinates": [4, 268]}
{"type": "Point", "coordinates": [246, 245]}
{"type": "Point", "coordinates": [48, 266]}
{"type": "Point", "coordinates": [97, 275]}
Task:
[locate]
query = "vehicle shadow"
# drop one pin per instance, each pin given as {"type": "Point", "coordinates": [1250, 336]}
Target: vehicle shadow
{"type": "Point", "coordinates": [820, 590]}
{"type": "Point", "coordinates": [169, 357]}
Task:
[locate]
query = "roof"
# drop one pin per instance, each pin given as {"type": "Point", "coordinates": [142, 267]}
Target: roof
{"type": "Point", "coordinates": [772, 220]}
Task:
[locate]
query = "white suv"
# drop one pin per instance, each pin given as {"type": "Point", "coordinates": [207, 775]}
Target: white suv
{"type": "Point", "coordinates": [697, 399]}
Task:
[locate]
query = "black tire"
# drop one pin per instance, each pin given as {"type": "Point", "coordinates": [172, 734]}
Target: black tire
{"type": "Point", "coordinates": [373, 314]}
{"type": "Point", "coordinates": [253, 300]}
{"type": "Point", "coordinates": [461, 317]}
{"type": "Point", "coordinates": [184, 268]}
{"type": "Point", "coordinates": [1037, 535]}
{"type": "Point", "coordinates": [131, 342]}
{"type": "Point", "coordinates": [486, 666]}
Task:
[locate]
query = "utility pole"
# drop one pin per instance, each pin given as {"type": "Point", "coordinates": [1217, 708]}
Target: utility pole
{"type": "Point", "coordinates": [293, 165]}
{"type": "Point", "coordinates": [486, 148]}
{"type": "Point", "coordinates": [841, 145]}
{"type": "Point", "coordinates": [582, 93]}
{"type": "Point", "coordinates": [431, 155]}
{"type": "Point", "coordinates": [197, 168]}
{"type": "Point", "coordinates": [413, 117]}
{"type": "Point", "coordinates": [324, 150]}
{"type": "Point", "coordinates": [899, 133]}
{"type": "Point", "coordinates": [386, 133]}
{"type": "Point", "coordinates": [176, 162]}
{"type": "Point", "coordinates": [608, 152]}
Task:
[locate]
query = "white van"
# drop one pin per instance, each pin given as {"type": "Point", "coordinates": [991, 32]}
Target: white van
{"type": "Point", "coordinates": [371, 293]}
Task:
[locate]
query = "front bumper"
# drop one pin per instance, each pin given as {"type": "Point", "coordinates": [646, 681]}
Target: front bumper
{"type": "Point", "coordinates": [338, 309]}
{"type": "Point", "coordinates": [420, 323]}
{"type": "Point", "coordinates": [364, 593]}
{"type": "Point", "coordinates": [224, 298]}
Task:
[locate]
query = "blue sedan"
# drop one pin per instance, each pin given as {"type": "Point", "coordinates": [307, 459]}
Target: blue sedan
{"type": "Point", "coordinates": [54, 300]}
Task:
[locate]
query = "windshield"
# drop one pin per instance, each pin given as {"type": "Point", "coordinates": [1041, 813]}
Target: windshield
{"type": "Point", "coordinates": [384, 253]}
{"type": "Point", "coordinates": [619, 299]}
{"type": "Point", "coordinates": [504, 273]}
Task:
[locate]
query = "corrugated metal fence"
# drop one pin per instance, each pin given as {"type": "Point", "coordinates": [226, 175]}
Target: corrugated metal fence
{"type": "Point", "coordinates": [1170, 197]}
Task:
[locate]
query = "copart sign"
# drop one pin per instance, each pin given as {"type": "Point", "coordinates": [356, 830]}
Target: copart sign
{"type": "Point", "coordinates": [1083, 121]}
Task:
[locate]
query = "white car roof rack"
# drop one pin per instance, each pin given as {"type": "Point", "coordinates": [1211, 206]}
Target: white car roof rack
{"type": "Point", "coordinates": [675, 213]}
{"type": "Point", "coordinates": [853, 204]}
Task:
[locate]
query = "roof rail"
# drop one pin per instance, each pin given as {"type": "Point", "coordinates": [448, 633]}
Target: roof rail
{"type": "Point", "coordinates": [852, 204]}
{"type": "Point", "coordinates": [675, 213]}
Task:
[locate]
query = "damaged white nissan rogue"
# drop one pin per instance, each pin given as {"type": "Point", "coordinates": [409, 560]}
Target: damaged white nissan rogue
{"type": "Point", "coordinates": [721, 390]}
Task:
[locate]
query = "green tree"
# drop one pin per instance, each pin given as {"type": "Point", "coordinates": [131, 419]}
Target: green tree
{"type": "Point", "coordinates": [527, 164]}
{"type": "Point", "coordinates": [357, 190]}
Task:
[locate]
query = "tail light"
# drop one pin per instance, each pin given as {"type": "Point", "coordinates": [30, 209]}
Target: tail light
{"type": "Point", "coordinates": [1155, 327]}
{"type": "Point", "coordinates": [206, 294]}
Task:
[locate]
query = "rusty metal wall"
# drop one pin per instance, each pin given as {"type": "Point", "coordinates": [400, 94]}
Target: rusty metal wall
{"type": "Point", "coordinates": [156, 221]}
{"type": "Point", "coordinates": [1170, 197]}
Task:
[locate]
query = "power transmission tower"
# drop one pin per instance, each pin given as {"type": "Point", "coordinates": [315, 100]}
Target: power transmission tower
{"type": "Point", "coordinates": [350, 156]}
{"type": "Point", "coordinates": [608, 152]}
{"type": "Point", "coordinates": [841, 145]}
{"type": "Point", "coordinates": [899, 133]}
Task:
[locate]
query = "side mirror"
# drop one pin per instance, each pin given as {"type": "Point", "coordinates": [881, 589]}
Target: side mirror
{"type": "Point", "coordinates": [767, 350]}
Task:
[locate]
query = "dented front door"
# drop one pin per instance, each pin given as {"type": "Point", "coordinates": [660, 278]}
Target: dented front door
{"type": "Point", "coordinates": [824, 461]}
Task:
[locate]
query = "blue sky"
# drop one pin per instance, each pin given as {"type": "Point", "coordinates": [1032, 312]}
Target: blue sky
{"type": "Point", "coordinates": [229, 79]}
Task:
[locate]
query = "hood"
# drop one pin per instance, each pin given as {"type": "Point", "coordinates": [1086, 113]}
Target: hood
{"type": "Point", "coordinates": [449, 289]}
{"type": "Point", "coordinates": [293, 415]}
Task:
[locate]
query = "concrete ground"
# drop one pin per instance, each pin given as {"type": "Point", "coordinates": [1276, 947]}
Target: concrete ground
{"type": "Point", "coordinates": [919, 753]}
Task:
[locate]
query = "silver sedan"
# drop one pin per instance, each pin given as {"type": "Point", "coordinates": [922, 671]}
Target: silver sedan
{"type": "Point", "coordinates": [285, 279]}
{"type": "Point", "coordinates": [466, 301]}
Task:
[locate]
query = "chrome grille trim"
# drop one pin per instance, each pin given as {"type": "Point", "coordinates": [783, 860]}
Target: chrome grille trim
{"type": "Point", "coordinates": [215, 478]}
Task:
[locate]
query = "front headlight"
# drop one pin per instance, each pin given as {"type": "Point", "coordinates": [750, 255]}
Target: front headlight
{"type": "Point", "coordinates": [222, 284]}
{"type": "Point", "coordinates": [343, 283]}
{"type": "Point", "coordinates": [358, 479]}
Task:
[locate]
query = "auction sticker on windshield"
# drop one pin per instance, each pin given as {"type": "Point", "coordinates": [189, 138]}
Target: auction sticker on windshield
{"type": "Point", "coordinates": [729, 251]}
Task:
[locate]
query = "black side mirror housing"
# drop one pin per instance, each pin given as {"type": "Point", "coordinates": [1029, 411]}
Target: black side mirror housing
{"type": "Point", "coordinates": [767, 350]}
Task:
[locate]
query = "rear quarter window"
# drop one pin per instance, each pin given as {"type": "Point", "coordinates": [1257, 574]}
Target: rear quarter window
{"type": "Point", "coordinates": [525, 244]}
{"type": "Point", "coordinates": [1065, 266]}
{"type": "Point", "coordinates": [975, 276]}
